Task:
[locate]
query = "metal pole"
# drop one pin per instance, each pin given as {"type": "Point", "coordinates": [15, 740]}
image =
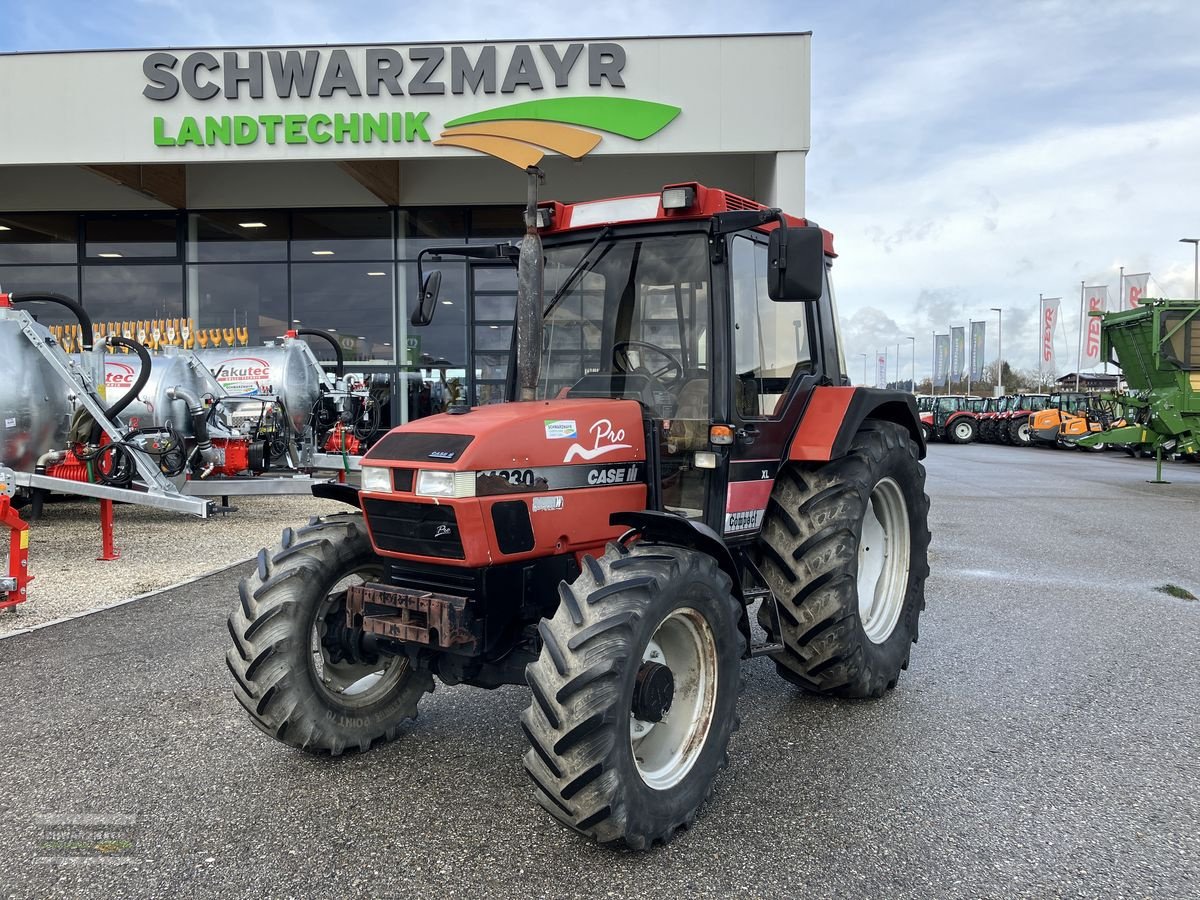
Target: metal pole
{"type": "Point", "coordinates": [1041, 340]}
{"type": "Point", "coordinates": [1196, 270]}
{"type": "Point", "coordinates": [530, 295]}
{"type": "Point", "coordinates": [1079, 343]}
{"type": "Point", "coordinates": [864, 356]}
{"type": "Point", "coordinates": [999, 347]}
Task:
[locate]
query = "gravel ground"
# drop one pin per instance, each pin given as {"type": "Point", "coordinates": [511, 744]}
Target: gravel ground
{"type": "Point", "coordinates": [158, 549]}
{"type": "Point", "coordinates": [1042, 744]}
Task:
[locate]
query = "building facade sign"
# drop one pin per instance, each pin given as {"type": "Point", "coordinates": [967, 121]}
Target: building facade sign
{"type": "Point", "coordinates": [740, 94]}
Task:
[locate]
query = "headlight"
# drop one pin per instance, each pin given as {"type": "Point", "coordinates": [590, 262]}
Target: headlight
{"type": "Point", "coordinates": [432, 483]}
{"type": "Point", "coordinates": [376, 479]}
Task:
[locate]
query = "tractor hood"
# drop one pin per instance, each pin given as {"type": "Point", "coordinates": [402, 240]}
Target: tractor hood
{"type": "Point", "coordinates": [519, 436]}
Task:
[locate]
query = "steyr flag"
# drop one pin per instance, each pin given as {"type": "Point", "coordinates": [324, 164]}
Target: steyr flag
{"type": "Point", "coordinates": [958, 354]}
{"type": "Point", "coordinates": [1096, 300]}
{"type": "Point", "coordinates": [941, 357]}
{"type": "Point", "coordinates": [1135, 289]}
{"type": "Point", "coordinates": [1049, 322]}
{"type": "Point", "coordinates": [978, 345]}
{"type": "Point", "coordinates": [881, 370]}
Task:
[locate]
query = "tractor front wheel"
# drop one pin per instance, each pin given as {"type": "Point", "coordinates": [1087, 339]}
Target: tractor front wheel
{"type": "Point", "coordinates": [845, 550]}
{"type": "Point", "coordinates": [303, 677]}
{"type": "Point", "coordinates": [634, 693]}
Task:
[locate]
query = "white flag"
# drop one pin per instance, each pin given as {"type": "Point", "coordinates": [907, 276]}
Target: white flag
{"type": "Point", "coordinates": [1049, 322]}
{"type": "Point", "coordinates": [1096, 298]}
{"type": "Point", "coordinates": [1135, 289]}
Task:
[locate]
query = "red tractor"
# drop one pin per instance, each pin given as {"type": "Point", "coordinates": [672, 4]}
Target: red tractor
{"type": "Point", "coordinates": [988, 418]}
{"type": "Point", "coordinates": [683, 445]}
{"type": "Point", "coordinates": [1012, 425]}
{"type": "Point", "coordinates": [952, 418]}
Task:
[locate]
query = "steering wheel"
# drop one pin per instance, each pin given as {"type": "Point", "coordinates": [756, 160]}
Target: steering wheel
{"type": "Point", "coordinates": [621, 361]}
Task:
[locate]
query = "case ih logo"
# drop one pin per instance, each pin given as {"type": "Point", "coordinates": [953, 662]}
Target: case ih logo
{"type": "Point", "coordinates": [244, 374]}
{"type": "Point", "coordinates": [119, 375]}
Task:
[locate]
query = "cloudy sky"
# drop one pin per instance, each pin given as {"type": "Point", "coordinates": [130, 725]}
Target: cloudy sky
{"type": "Point", "coordinates": [967, 155]}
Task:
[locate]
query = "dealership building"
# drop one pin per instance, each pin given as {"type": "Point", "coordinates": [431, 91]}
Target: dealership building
{"type": "Point", "coordinates": [257, 188]}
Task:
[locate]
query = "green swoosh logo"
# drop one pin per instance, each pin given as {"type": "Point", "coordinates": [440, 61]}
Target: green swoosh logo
{"type": "Point", "coordinates": [634, 119]}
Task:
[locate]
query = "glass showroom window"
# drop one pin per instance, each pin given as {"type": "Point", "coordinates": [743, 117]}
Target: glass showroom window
{"type": "Point", "coordinates": [238, 236]}
{"type": "Point", "coordinates": [250, 298]}
{"type": "Point", "coordinates": [133, 293]}
{"type": "Point", "coordinates": [353, 301]}
{"type": "Point", "coordinates": [131, 237]}
{"type": "Point", "coordinates": [333, 237]}
{"type": "Point", "coordinates": [429, 227]}
{"type": "Point", "coordinates": [40, 279]}
{"type": "Point", "coordinates": [35, 238]}
{"type": "Point", "coordinates": [241, 283]}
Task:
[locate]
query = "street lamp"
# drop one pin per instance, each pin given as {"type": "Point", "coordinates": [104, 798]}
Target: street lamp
{"type": "Point", "coordinates": [864, 356]}
{"type": "Point", "coordinates": [1000, 348]}
{"type": "Point", "coordinates": [914, 364]}
{"type": "Point", "coordinates": [1195, 242]}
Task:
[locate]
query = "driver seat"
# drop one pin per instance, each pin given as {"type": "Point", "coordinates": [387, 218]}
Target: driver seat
{"type": "Point", "coordinates": [689, 426]}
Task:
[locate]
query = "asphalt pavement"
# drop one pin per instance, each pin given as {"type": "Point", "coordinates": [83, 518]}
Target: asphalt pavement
{"type": "Point", "coordinates": [1044, 742]}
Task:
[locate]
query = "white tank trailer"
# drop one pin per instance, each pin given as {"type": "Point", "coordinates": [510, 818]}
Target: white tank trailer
{"type": "Point", "coordinates": [35, 405]}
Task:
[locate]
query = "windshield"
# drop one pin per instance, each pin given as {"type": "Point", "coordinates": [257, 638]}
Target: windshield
{"type": "Point", "coordinates": [948, 404]}
{"type": "Point", "coordinates": [634, 324]}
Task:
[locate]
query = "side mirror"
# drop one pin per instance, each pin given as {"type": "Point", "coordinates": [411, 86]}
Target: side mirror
{"type": "Point", "coordinates": [427, 302]}
{"type": "Point", "coordinates": [795, 264]}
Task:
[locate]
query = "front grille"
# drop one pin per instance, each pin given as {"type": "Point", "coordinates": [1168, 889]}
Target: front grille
{"type": "Point", "coordinates": [437, 579]}
{"type": "Point", "coordinates": [423, 529]}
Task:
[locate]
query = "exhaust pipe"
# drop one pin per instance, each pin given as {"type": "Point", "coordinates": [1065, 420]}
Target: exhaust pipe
{"type": "Point", "coordinates": [530, 295]}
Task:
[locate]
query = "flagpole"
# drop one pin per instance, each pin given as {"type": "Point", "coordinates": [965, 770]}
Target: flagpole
{"type": "Point", "coordinates": [967, 348]}
{"type": "Point", "coordinates": [1041, 342]}
{"type": "Point", "coordinates": [1079, 343]}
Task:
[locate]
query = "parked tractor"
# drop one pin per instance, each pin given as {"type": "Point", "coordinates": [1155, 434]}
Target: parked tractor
{"type": "Point", "coordinates": [683, 444]}
{"type": "Point", "coordinates": [1157, 346]}
{"type": "Point", "coordinates": [953, 419]}
{"type": "Point", "coordinates": [1012, 425]}
{"type": "Point", "coordinates": [987, 418]}
{"type": "Point", "coordinates": [1046, 425]}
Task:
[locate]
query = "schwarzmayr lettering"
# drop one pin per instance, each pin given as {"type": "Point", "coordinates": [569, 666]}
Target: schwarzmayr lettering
{"type": "Point", "coordinates": [318, 128]}
{"type": "Point", "coordinates": [383, 70]}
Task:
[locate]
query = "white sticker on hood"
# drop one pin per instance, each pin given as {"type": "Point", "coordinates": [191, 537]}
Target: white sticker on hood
{"type": "Point", "coordinates": [560, 428]}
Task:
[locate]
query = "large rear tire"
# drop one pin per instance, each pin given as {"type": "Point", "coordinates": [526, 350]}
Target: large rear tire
{"type": "Point", "coordinates": [963, 430]}
{"type": "Point", "coordinates": [604, 757]}
{"type": "Point", "coordinates": [303, 679]}
{"type": "Point", "coordinates": [1018, 432]}
{"type": "Point", "coordinates": [845, 550]}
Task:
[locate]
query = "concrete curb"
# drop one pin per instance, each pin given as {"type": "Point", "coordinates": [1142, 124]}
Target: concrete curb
{"type": "Point", "coordinates": [115, 604]}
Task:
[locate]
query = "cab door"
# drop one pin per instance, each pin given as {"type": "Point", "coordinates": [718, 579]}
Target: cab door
{"type": "Point", "coordinates": [773, 361]}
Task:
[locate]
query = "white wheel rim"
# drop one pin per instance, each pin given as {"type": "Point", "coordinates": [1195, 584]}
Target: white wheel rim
{"type": "Point", "coordinates": [963, 430]}
{"type": "Point", "coordinates": [883, 555]}
{"type": "Point", "coordinates": [665, 751]}
{"type": "Point", "coordinates": [1023, 432]}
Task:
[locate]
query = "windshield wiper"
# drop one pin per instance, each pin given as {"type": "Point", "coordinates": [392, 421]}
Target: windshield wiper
{"type": "Point", "coordinates": [574, 274]}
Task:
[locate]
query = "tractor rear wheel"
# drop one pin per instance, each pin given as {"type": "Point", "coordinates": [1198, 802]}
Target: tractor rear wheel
{"type": "Point", "coordinates": [845, 550]}
{"type": "Point", "coordinates": [963, 431]}
{"type": "Point", "coordinates": [634, 693]}
{"type": "Point", "coordinates": [302, 676]}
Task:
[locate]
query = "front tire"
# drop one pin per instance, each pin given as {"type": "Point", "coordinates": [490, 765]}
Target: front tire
{"type": "Point", "coordinates": [605, 759]}
{"type": "Point", "coordinates": [845, 550]}
{"type": "Point", "coordinates": [302, 678]}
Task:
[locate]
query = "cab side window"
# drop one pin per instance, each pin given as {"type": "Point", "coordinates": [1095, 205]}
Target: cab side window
{"type": "Point", "coordinates": [770, 339]}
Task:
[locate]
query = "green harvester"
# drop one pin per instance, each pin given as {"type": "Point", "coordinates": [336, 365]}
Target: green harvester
{"type": "Point", "coordinates": [1157, 346]}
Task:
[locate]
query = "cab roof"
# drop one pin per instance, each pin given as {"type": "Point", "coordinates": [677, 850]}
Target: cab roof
{"type": "Point", "coordinates": [702, 203]}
